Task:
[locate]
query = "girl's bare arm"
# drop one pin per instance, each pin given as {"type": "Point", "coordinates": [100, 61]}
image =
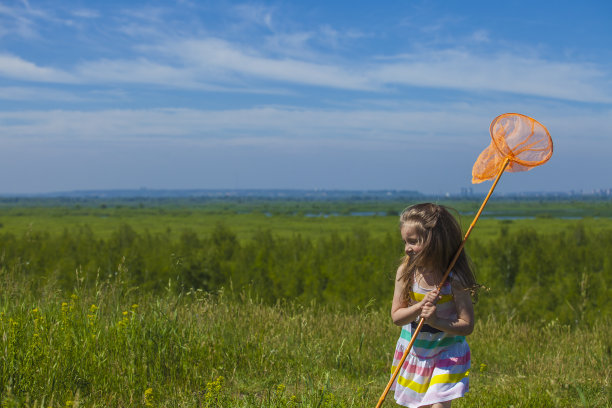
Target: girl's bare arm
{"type": "Point", "coordinates": [464, 324]}
{"type": "Point", "coordinates": [401, 312]}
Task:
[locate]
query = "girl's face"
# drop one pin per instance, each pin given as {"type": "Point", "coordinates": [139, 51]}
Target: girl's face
{"type": "Point", "coordinates": [412, 240]}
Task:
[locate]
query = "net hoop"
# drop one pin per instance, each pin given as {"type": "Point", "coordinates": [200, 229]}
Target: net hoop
{"type": "Point", "coordinates": [521, 140]}
{"type": "Point", "coordinates": [509, 152]}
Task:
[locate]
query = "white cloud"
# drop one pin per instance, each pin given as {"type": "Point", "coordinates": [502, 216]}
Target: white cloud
{"type": "Point", "coordinates": [86, 13]}
{"type": "Point", "coordinates": [136, 71]}
{"type": "Point", "coordinates": [16, 21]}
{"type": "Point", "coordinates": [258, 125]}
{"type": "Point", "coordinates": [17, 68]}
{"type": "Point", "coordinates": [447, 126]}
{"type": "Point", "coordinates": [499, 73]}
{"type": "Point", "coordinates": [219, 56]}
{"type": "Point", "coordinates": [146, 72]}
{"type": "Point", "coordinates": [291, 44]}
{"type": "Point", "coordinates": [481, 36]}
{"type": "Point", "coordinates": [219, 60]}
{"type": "Point", "coordinates": [27, 21]}
{"type": "Point", "coordinates": [216, 64]}
{"type": "Point", "coordinates": [255, 14]}
{"type": "Point", "coordinates": [155, 15]}
{"type": "Point", "coordinates": [14, 93]}
{"type": "Point", "coordinates": [167, 57]}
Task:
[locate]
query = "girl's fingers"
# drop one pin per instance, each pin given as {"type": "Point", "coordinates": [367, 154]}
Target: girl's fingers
{"type": "Point", "coordinates": [432, 296]}
{"type": "Point", "coordinates": [428, 310]}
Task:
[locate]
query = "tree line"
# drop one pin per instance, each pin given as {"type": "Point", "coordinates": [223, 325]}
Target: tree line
{"type": "Point", "coordinates": [565, 278]}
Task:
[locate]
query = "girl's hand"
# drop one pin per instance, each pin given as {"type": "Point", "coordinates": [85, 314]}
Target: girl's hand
{"type": "Point", "coordinates": [432, 297]}
{"type": "Point", "coordinates": [428, 312]}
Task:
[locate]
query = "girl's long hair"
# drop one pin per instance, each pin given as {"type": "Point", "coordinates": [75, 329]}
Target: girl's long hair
{"type": "Point", "coordinates": [440, 236]}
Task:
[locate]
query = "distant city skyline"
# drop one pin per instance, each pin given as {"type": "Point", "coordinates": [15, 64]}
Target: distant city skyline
{"type": "Point", "coordinates": [296, 193]}
{"type": "Point", "coordinates": [175, 94]}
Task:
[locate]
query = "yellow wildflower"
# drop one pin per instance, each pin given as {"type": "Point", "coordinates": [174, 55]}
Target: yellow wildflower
{"type": "Point", "coordinates": [213, 389]}
{"type": "Point", "coordinates": [280, 388]}
{"type": "Point", "coordinates": [148, 397]}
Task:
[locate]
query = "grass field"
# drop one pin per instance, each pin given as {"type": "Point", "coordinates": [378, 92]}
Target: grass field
{"type": "Point", "coordinates": [115, 348]}
{"type": "Point", "coordinates": [105, 343]}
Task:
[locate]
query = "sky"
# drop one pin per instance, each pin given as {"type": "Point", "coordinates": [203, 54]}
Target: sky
{"type": "Point", "coordinates": [349, 95]}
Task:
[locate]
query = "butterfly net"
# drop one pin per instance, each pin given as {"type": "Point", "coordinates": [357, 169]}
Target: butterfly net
{"type": "Point", "coordinates": [522, 140]}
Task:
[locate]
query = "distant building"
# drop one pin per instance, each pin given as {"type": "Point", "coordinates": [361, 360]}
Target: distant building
{"type": "Point", "coordinates": [467, 191]}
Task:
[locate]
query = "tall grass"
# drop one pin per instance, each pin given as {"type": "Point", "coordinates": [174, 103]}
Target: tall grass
{"type": "Point", "coordinates": [116, 346]}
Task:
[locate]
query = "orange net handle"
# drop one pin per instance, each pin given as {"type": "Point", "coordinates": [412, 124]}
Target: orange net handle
{"type": "Point", "coordinates": [400, 364]}
{"type": "Point", "coordinates": [469, 231]}
{"type": "Point", "coordinates": [448, 270]}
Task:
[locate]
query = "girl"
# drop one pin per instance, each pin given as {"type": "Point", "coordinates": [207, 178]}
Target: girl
{"type": "Point", "coordinates": [435, 371]}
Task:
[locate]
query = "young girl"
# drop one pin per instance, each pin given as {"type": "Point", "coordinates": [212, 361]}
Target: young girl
{"type": "Point", "coordinates": [436, 368]}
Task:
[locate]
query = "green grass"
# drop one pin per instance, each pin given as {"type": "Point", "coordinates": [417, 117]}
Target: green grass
{"type": "Point", "coordinates": [113, 346]}
{"type": "Point", "coordinates": [106, 344]}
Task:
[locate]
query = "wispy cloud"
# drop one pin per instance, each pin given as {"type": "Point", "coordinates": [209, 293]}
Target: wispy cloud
{"type": "Point", "coordinates": [480, 36]}
{"type": "Point", "coordinates": [31, 22]}
{"type": "Point", "coordinates": [15, 21]}
{"type": "Point", "coordinates": [454, 69]}
{"type": "Point", "coordinates": [226, 126]}
{"type": "Point", "coordinates": [499, 72]}
{"type": "Point", "coordinates": [445, 126]}
{"type": "Point", "coordinates": [162, 54]}
{"type": "Point", "coordinates": [216, 56]}
{"type": "Point", "coordinates": [86, 13]}
{"type": "Point", "coordinates": [135, 71]}
{"type": "Point", "coordinates": [14, 67]}
{"type": "Point", "coordinates": [257, 14]}
{"type": "Point", "coordinates": [14, 93]}
{"type": "Point", "coordinates": [213, 63]}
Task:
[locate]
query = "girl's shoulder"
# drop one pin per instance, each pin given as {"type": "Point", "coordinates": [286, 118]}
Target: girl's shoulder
{"type": "Point", "coordinates": [401, 271]}
{"type": "Point", "coordinates": [460, 288]}
{"type": "Point", "coordinates": [456, 281]}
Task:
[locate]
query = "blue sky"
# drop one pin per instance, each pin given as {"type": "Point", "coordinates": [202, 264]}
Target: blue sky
{"type": "Point", "coordinates": [312, 94]}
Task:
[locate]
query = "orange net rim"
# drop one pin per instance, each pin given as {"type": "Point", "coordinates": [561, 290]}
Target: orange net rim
{"type": "Point", "coordinates": [512, 157]}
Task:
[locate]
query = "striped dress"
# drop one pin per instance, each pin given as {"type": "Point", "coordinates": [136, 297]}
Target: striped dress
{"type": "Point", "coordinates": [437, 367]}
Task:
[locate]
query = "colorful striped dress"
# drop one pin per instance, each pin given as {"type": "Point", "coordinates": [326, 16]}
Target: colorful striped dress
{"type": "Point", "coordinates": [437, 367]}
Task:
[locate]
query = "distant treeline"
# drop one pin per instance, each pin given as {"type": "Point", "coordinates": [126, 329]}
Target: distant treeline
{"type": "Point", "coordinates": [526, 275]}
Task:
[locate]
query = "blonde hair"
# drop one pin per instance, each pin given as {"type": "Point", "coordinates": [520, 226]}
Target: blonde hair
{"type": "Point", "coordinates": [440, 236]}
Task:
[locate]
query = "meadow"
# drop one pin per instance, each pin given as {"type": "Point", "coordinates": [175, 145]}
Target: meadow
{"type": "Point", "coordinates": [309, 218]}
{"type": "Point", "coordinates": [285, 304]}
{"type": "Point", "coordinates": [114, 347]}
